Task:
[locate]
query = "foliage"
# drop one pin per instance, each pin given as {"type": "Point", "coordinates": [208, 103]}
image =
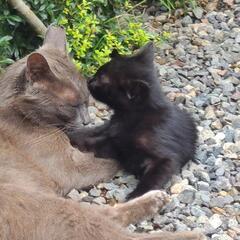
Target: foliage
{"type": "Point", "coordinates": [96, 27]}
{"type": "Point", "coordinates": [23, 40]}
{"type": "Point", "coordinates": [4, 50]}
{"type": "Point", "coordinates": [172, 4]}
{"type": "Point", "coordinates": [93, 28]}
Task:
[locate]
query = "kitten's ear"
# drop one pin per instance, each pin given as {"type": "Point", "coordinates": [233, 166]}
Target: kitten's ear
{"type": "Point", "coordinates": [56, 38]}
{"type": "Point", "coordinates": [138, 91]}
{"type": "Point", "coordinates": [114, 54]}
{"type": "Point", "coordinates": [37, 67]}
{"type": "Point", "coordinates": [146, 53]}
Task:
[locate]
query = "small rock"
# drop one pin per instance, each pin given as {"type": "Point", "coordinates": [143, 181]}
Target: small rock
{"type": "Point", "coordinates": [220, 171]}
{"type": "Point", "coordinates": [95, 192]}
{"type": "Point", "coordinates": [119, 195]}
{"type": "Point", "coordinates": [231, 150]}
{"type": "Point", "coordinates": [187, 196]}
{"type": "Point", "coordinates": [198, 12]}
{"type": "Point", "coordinates": [221, 237]}
{"type": "Point", "coordinates": [214, 99]}
{"type": "Point", "coordinates": [161, 18]}
{"type": "Point", "coordinates": [203, 176]}
{"type": "Point", "coordinates": [202, 219]}
{"type": "Point", "coordinates": [108, 186]}
{"type": "Point", "coordinates": [131, 228]}
{"type": "Point", "coordinates": [221, 201]}
{"type": "Point", "coordinates": [186, 21]}
{"type": "Point", "coordinates": [236, 122]}
{"type": "Point", "coordinates": [204, 196]}
{"type": "Point", "coordinates": [203, 186]}
{"type": "Point", "coordinates": [219, 137]}
{"type": "Point", "coordinates": [206, 134]}
{"type": "Point", "coordinates": [217, 124]}
{"type": "Point", "coordinates": [196, 211]}
{"type": "Point", "coordinates": [100, 106]}
{"type": "Point", "coordinates": [146, 225]}
{"type": "Point", "coordinates": [232, 223]}
{"type": "Point", "coordinates": [174, 203]}
{"type": "Point", "coordinates": [179, 187]}
{"type": "Point", "coordinates": [74, 195]}
{"type": "Point", "coordinates": [215, 221]}
{"type": "Point", "coordinates": [99, 200]}
{"type": "Point", "coordinates": [210, 112]}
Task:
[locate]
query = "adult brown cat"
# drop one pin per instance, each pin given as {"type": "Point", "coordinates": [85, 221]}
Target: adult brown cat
{"type": "Point", "coordinates": [39, 95]}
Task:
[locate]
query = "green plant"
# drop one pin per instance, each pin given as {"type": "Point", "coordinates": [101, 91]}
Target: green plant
{"type": "Point", "coordinates": [24, 39]}
{"type": "Point", "coordinates": [4, 52]}
{"type": "Point", "coordinates": [94, 28]}
{"type": "Point", "coordinates": [172, 4]}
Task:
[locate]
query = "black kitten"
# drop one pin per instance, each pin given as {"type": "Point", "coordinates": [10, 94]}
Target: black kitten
{"type": "Point", "coordinates": [148, 135]}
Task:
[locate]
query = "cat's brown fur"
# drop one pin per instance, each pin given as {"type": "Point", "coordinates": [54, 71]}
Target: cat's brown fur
{"type": "Point", "coordinates": [38, 165]}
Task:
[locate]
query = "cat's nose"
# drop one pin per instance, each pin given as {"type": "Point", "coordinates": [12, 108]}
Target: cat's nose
{"type": "Point", "coordinates": [84, 115]}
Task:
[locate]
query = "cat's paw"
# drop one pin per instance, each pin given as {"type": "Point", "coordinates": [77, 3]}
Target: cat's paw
{"type": "Point", "coordinates": [152, 201]}
{"type": "Point", "coordinates": [157, 199]}
{"type": "Point", "coordinates": [194, 235]}
{"type": "Point", "coordinates": [200, 236]}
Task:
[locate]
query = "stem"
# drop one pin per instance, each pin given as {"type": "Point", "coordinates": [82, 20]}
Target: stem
{"type": "Point", "coordinates": [29, 16]}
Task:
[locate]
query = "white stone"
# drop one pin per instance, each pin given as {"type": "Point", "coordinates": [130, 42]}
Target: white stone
{"type": "Point", "coordinates": [215, 221]}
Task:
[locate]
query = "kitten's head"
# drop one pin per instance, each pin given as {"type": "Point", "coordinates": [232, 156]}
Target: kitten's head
{"type": "Point", "coordinates": [51, 90]}
{"type": "Point", "coordinates": [124, 83]}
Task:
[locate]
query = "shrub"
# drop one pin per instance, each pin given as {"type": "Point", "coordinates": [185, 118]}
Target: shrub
{"type": "Point", "coordinates": [94, 28]}
{"type": "Point", "coordinates": [4, 52]}
{"type": "Point", "coordinates": [23, 40]}
{"type": "Point", "coordinates": [172, 4]}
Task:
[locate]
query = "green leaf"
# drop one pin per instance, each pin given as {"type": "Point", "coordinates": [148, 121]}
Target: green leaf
{"type": "Point", "coordinates": [42, 8]}
{"type": "Point", "coordinates": [6, 61]}
{"type": "Point", "coordinates": [5, 39]}
{"type": "Point", "coordinates": [15, 18]}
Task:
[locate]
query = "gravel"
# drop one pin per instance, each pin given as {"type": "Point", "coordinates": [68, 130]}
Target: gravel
{"type": "Point", "coordinates": [199, 69]}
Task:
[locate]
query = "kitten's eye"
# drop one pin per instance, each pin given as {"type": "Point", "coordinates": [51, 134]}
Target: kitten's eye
{"type": "Point", "coordinates": [105, 79]}
{"type": "Point", "coordinates": [129, 96]}
{"type": "Point", "coordinates": [122, 90]}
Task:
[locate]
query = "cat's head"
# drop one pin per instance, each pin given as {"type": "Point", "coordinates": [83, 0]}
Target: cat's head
{"type": "Point", "coordinates": [51, 90]}
{"type": "Point", "coordinates": [124, 83]}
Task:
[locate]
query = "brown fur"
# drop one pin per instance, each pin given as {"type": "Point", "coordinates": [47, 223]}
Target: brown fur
{"type": "Point", "coordinates": [38, 166]}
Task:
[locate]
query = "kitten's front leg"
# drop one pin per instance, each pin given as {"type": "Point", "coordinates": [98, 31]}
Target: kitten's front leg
{"type": "Point", "coordinates": [94, 140]}
{"type": "Point", "coordinates": [156, 175]}
{"type": "Point", "coordinates": [86, 137]}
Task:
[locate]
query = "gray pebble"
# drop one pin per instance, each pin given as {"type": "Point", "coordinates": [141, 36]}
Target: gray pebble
{"type": "Point", "coordinates": [187, 196]}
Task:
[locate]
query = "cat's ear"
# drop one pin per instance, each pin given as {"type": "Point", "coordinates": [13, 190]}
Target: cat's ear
{"type": "Point", "coordinates": [37, 67]}
{"type": "Point", "coordinates": [114, 54]}
{"type": "Point", "coordinates": [56, 38]}
{"type": "Point", "coordinates": [146, 53]}
{"type": "Point", "coordinates": [138, 91]}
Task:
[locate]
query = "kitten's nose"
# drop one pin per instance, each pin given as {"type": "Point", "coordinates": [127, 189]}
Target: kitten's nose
{"type": "Point", "coordinates": [91, 82]}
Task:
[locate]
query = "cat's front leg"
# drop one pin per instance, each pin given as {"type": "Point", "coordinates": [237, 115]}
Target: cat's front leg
{"type": "Point", "coordinates": [137, 209]}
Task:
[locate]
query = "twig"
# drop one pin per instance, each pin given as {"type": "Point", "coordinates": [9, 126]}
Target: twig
{"type": "Point", "coordinates": [29, 16]}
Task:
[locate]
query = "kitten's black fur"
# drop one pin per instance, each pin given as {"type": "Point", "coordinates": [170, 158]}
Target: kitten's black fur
{"type": "Point", "coordinates": [148, 135]}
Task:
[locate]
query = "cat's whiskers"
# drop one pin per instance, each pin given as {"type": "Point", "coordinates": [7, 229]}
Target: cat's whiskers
{"type": "Point", "coordinates": [54, 132]}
